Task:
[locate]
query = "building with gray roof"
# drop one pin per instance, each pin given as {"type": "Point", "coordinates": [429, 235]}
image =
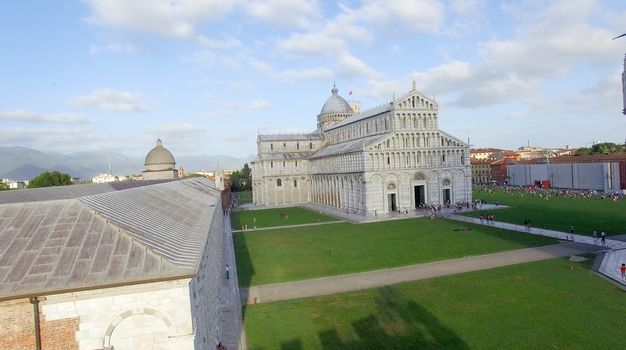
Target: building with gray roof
{"type": "Point", "coordinates": [131, 268]}
{"type": "Point", "coordinates": [391, 157]}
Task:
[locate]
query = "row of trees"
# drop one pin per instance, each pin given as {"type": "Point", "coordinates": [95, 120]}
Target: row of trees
{"type": "Point", "coordinates": [49, 179]}
{"type": "Point", "coordinates": [601, 148]}
{"type": "Point", "coordinates": [241, 180]}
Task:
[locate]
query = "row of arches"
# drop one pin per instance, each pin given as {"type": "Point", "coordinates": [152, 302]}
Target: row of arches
{"type": "Point", "coordinates": [412, 159]}
{"type": "Point", "coordinates": [417, 120]}
{"type": "Point", "coordinates": [416, 102]}
{"type": "Point", "coordinates": [367, 127]}
{"type": "Point", "coordinates": [339, 191]}
{"type": "Point", "coordinates": [343, 163]}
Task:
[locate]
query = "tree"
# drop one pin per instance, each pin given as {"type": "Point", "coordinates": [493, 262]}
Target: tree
{"type": "Point", "coordinates": [607, 148]}
{"type": "Point", "coordinates": [49, 179]}
{"type": "Point", "coordinates": [583, 151]}
{"type": "Point", "coordinates": [241, 180]}
{"type": "Point", "coordinates": [4, 186]}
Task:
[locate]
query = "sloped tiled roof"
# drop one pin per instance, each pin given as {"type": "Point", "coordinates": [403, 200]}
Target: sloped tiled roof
{"type": "Point", "coordinates": [285, 156]}
{"type": "Point", "coordinates": [349, 146]}
{"type": "Point", "coordinates": [290, 137]}
{"type": "Point", "coordinates": [68, 192]}
{"type": "Point", "coordinates": [141, 234]}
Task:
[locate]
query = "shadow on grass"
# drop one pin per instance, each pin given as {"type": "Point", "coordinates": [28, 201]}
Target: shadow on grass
{"type": "Point", "coordinates": [245, 267]}
{"type": "Point", "coordinates": [399, 323]}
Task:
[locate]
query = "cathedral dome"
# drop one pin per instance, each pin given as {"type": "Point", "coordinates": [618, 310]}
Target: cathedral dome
{"type": "Point", "coordinates": [336, 104]}
{"type": "Point", "coordinates": [160, 155]}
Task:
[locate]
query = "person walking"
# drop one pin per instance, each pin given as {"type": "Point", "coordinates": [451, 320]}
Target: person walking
{"type": "Point", "coordinates": [595, 236]}
{"type": "Point", "coordinates": [603, 237]}
{"type": "Point", "coordinates": [227, 272]}
{"type": "Point", "coordinates": [622, 269]}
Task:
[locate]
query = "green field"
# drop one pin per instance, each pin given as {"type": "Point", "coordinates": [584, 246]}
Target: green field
{"type": "Point", "coordinates": [307, 252]}
{"type": "Point", "coordinates": [541, 305]}
{"type": "Point", "coordinates": [272, 217]}
{"type": "Point", "coordinates": [558, 213]}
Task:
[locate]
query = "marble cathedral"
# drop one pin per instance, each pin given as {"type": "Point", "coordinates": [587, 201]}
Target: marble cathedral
{"type": "Point", "coordinates": [391, 157]}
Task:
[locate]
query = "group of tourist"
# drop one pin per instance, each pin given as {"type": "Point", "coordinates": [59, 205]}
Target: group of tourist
{"type": "Point", "coordinates": [487, 217]}
{"type": "Point", "coordinates": [551, 192]}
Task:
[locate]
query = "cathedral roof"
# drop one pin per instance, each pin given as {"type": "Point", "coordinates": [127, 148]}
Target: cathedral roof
{"type": "Point", "coordinates": [159, 155]}
{"type": "Point", "coordinates": [336, 104]}
{"type": "Point", "coordinates": [289, 137]}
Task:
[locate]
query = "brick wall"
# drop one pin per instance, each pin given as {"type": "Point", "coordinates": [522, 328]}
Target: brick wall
{"type": "Point", "coordinates": [17, 328]}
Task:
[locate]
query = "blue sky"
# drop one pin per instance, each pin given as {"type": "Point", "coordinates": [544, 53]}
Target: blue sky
{"type": "Point", "coordinates": [207, 75]}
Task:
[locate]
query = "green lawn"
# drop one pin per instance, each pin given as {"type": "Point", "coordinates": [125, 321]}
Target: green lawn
{"type": "Point", "coordinates": [272, 217]}
{"type": "Point", "coordinates": [559, 213]}
{"type": "Point", "coordinates": [307, 252]}
{"type": "Point", "coordinates": [540, 305]}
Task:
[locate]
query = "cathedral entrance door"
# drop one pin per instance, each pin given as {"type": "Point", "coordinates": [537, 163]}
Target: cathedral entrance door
{"type": "Point", "coordinates": [446, 195]}
{"type": "Point", "coordinates": [420, 197]}
{"type": "Point", "coordinates": [392, 202]}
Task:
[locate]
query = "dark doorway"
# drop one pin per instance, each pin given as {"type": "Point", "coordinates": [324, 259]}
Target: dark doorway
{"type": "Point", "coordinates": [392, 202]}
{"type": "Point", "coordinates": [446, 196]}
{"type": "Point", "coordinates": [420, 197]}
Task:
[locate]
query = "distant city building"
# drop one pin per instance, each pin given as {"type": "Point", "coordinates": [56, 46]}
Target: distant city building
{"type": "Point", "coordinates": [15, 185]}
{"type": "Point", "coordinates": [483, 153]}
{"type": "Point", "coordinates": [104, 178]}
{"type": "Point", "coordinates": [481, 171]}
{"type": "Point", "coordinates": [390, 157]}
{"type": "Point", "coordinates": [159, 164]}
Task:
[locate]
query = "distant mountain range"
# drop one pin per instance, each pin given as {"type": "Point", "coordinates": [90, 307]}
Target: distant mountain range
{"type": "Point", "coordinates": [22, 163]}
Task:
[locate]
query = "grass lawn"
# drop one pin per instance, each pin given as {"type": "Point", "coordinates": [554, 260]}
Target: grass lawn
{"type": "Point", "coordinates": [559, 213]}
{"type": "Point", "coordinates": [540, 305]}
{"type": "Point", "coordinates": [244, 197]}
{"type": "Point", "coordinates": [307, 252]}
{"type": "Point", "coordinates": [272, 217]}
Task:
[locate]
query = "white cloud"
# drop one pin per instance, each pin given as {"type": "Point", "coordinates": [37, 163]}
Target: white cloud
{"type": "Point", "coordinates": [319, 73]}
{"type": "Point", "coordinates": [260, 104]}
{"type": "Point", "coordinates": [111, 100]}
{"type": "Point", "coordinates": [234, 137]}
{"type": "Point", "coordinates": [163, 17]}
{"type": "Point", "coordinates": [52, 139]}
{"type": "Point", "coordinates": [219, 43]}
{"type": "Point", "coordinates": [26, 116]}
{"type": "Point", "coordinates": [177, 134]}
{"type": "Point", "coordinates": [116, 48]}
{"type": "Point", "coordinates": [294, 13]}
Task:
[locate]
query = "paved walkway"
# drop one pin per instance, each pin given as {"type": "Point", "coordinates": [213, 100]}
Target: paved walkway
{"type": "Point", "coordinates": [288, 226]}
{"type": "Point", "coordinates": [372, 279]}
{"type": "Point", "coordinates": [610, 243]}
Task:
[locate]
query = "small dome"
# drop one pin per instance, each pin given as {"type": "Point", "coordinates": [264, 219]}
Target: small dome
{"type": "Point", "coordinates": [336, 104]}
{"type": "Point", "coordinates": [160, 155]}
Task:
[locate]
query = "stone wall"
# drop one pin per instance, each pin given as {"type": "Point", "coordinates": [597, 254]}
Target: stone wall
{"type": "Point", "coordinates": [144, 316]}
{"type": "Point", "coordinates": [207, 292]}
{"type": "Point", "coordinates": [17, 328]}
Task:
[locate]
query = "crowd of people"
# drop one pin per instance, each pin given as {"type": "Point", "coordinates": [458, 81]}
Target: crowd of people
{"type": "Point", "coordinates": [547, 193]}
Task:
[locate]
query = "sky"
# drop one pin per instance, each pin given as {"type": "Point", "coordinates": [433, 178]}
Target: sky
{"type": "Point", "coordinates": [206, 76]}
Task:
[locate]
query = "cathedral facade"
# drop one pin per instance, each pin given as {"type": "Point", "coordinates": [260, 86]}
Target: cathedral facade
{"type": "Point", "coordinates": [388, 158]}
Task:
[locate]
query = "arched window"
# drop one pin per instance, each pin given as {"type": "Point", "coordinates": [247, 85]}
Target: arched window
{"type": "Point", "coordinates": [310, 145]}
{"type": "Point", "coordinates": [298, 145]}
{"type": "Point", "coordinates": [283, 163]}
{"type": "Point", "coordinates": [271, 146]}
{"type": "Point", "coordinates": [284, 144]}
{"type": "Point", "coordinates": [295, 183]}
{"type": "Point", "coordinates": [279, 183]}
{"type": "Point", "coordinates": [271, 164]}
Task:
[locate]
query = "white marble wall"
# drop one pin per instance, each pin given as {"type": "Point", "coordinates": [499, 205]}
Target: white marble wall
{"type": "Point", "coordinates": [145, 316]}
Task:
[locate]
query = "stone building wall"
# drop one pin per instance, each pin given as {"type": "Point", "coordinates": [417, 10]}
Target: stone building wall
{"type": "Point", "coordinates": [145, 316]}
{"type": "Point", "coordinates": [17, 328]}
